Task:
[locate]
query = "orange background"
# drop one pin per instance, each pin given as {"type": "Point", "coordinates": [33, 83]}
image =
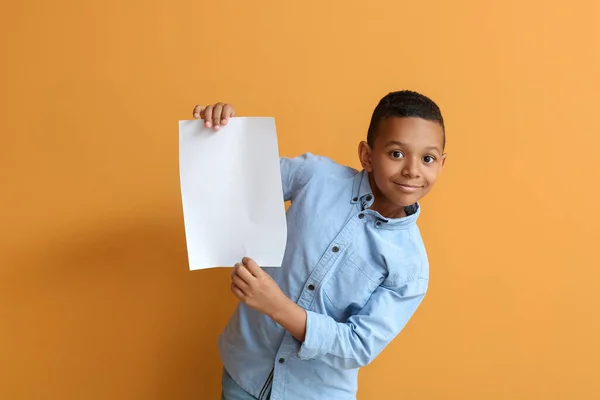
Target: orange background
{"type": "Point", "coordinates": [97, 301]}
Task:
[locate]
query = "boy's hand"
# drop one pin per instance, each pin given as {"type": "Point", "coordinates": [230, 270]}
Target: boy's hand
{"type": "Point", "coordinates": [256, 288]}
{"type": "Point", "coordinates": [214, 115]}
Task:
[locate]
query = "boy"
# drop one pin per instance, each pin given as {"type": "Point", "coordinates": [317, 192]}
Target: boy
{"type": "Point", "coordinates": [355, 267]}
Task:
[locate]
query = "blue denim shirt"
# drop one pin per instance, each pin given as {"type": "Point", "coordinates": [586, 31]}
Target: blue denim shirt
{"type": "Point", "coordinates": [359, 276]}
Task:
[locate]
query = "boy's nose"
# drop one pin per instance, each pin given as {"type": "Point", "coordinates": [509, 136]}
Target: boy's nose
{"type": "Point", "coordinates": [411, 169]}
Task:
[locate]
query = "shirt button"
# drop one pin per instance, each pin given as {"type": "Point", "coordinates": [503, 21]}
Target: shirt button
{"type": "Point", "coordinates": [281, 361]}
{"type": "Point", "coordinates": [311, 287]}
{"type": "Point", "coordinates": [355, 199]}
{"type": "Point", "coordinates": [361, 216]}
{"type": "Point", "coordinates": [378, 223]}
{"type": "Point", "coordinates": [335, 249]}
{"type": "Point", "coordinates": [369, 198]}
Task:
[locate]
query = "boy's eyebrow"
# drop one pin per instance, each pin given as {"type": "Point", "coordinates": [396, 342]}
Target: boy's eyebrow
{"type": "Point", "coordinates": [397, 143]}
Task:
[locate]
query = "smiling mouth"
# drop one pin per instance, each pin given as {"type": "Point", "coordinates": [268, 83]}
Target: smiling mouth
{"type": "Point", "coordinates": [408, 188]}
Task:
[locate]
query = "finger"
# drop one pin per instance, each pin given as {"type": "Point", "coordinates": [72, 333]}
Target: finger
{"type": "Point", "coordinates": [198, 111]}
{"type": "Point", "coordinates": [252, 266]}
{"type": "Point", "coordinates": [226, 114]}
{"type": "Point", "coordinates": [239, 282]}
{"type": "Point", "coordinates": [208, 112]}
{"type": "Point", "coordinates": [235, 274]}
{"type": "Point", "coordinates": [237, 291]}
{"type": "Point", "coordinates": [216, 116]}
{"type": "Point", "coordinates": [243, 273]}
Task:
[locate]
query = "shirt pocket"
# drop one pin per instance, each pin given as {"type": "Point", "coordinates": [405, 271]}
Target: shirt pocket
{"type": "Point", "coordinates": [351, 286]}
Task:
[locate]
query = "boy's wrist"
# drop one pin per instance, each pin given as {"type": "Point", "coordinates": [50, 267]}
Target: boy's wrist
{"type": "Point", "coordinates": [291, 317]}
{"type": "Point", "coordinates": [281, 309]}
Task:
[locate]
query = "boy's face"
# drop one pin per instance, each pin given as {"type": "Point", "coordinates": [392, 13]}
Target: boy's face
{"type": "Point", "coordinates": [405, 161]}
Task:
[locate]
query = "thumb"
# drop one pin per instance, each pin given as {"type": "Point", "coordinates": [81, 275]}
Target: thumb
{"type": "Point", "coordinates": [198, 110]}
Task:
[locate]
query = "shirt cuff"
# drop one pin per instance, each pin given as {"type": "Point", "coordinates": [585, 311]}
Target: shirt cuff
{"type": "Point", "coordinates": [320, 334]}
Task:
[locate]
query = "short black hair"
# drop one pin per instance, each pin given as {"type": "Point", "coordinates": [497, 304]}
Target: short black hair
{"type": "Point", "coordinates": [405, 103]}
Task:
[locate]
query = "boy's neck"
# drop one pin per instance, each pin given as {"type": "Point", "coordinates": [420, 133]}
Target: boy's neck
{"type": "Point", "coordinates": [387, 211]}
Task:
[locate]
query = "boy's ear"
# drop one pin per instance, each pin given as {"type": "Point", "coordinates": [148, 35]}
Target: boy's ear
{"type": "Point", "coordinates": [364, 155]}
{"type": "Point", "coordinates": [443, 160]}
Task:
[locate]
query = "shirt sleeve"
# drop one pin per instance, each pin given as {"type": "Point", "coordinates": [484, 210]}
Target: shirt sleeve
{"type": "Point", "coordinates": [297, 171]}
{"type": "Point", "coordinates": [292, 174]}
{"type": "Point", "coordinates": [356, 342]}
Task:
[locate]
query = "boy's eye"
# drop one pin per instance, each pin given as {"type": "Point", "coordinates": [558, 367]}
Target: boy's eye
{"type": "Point", "coordinates": [396, 154]}
{"type": "Point", "coordinates": [428, 159]}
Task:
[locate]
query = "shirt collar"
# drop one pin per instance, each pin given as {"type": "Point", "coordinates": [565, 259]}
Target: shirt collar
{"type": "Point", "coordinates": [361, 192]}
{"type": "Point", "coordinates": [362, 187]}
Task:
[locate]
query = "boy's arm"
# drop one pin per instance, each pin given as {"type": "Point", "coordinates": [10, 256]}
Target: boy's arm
{"type": "Point", "coordinates": [294, 174]}
{"type": "Point", "coordinates": [363, 336]}
{"type": "Point", "coordinates": [352, 344]}
{"type": "Point", "coordinates": [291, 317]}
{"type": "Point", "coordinates": [258, 290]}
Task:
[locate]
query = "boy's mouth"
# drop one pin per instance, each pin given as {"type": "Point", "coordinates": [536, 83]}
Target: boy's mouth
{"type": "Point", "coordinates": [408, 188]}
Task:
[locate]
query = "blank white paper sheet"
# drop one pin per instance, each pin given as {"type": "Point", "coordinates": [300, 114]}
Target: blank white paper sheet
{"type": "Point", "coordinates": [231, 192]}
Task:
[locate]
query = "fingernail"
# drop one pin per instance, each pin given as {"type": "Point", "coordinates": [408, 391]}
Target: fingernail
{"type": "Point", "coordinates": [196, 115]}
{"type": "Point", "coordinates": [207, 124]}
{"type": "Point", "coordinates": [217, 127]}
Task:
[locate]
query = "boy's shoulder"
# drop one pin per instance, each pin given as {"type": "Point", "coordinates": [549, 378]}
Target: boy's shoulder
{"type": "Point", "coordinates": [314, 171]}
{"type": "Point", "coordinates": [315, 164]}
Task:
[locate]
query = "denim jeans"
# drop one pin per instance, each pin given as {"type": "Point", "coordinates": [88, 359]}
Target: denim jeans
{"type": "Point", "coordinates": [231, 390]}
